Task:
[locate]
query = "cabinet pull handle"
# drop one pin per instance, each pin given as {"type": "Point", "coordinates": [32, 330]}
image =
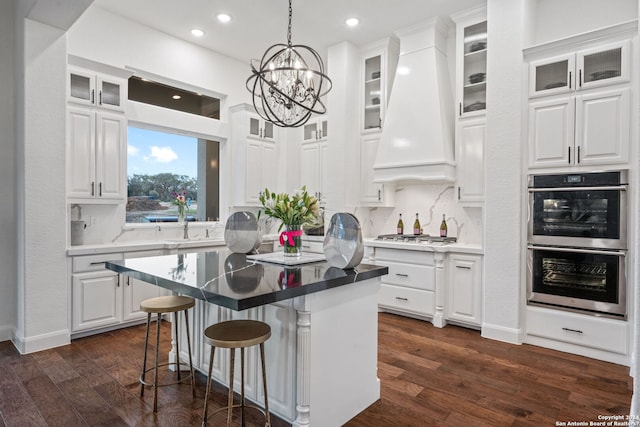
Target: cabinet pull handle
{"type": "Point", "coordinates": [402, 275]}
{"type": "Point", "coordinates": [128, 280]}
{"type": "Point", "coordinates": [463, 266]}
{"type": "Point", "coordinates": [402, 299]}
{"type": "Point", "coordinates": [578, 160]}
{"type": "Point", "coordinates": [100, 189]}
{"type": "Point", "coordinates": [380, 122]}
{"type": "Point", "coordinates": [460, 108]}
{"type": "Point", "coordinates": [93, 96]}
{"type": "Point", "coordinates": [320, 133]}
{"type": "Point", "coordinates": [580, 77]}
{"type": "Point", "coordinates": [458, 192]}
{"type": "Point", "coordinates": [569, 79]}
{"type": "Point", "coordinates": [569, 156]}
{"type": "Point", "coordinates": [100, 98]}
{"type": "Point", "coordinates": [118, 281]}
{"type": "Point", "coordinates": [573, 330]}
{"type": "Point", "coordinates": [93, 188]}
{"type": "Point", "coordinates": [379, 194]}
{"type": "Point", "coordinates": [97, 262]}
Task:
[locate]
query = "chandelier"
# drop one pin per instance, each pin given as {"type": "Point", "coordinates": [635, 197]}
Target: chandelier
{"type": "Point", "coordinates": [286, 89]}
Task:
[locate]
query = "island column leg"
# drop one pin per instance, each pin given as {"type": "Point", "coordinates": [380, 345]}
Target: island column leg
{"type": "Point", "coordinates": [303, 368]}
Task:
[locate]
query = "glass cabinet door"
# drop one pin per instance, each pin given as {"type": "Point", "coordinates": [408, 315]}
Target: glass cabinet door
{"type": "Point", "coordinates": [109, 93]}
{"type": "Point", "coordinates": [474, 94]}
{"type": "Point", "coordinates": [310, 131]}
{"type": "Point", "coordinates": [254, 126]}
{"type": "Point", "coordinates": [372, 92]}
{"type": "Point", "coordinates": [603, 65]}
{"type": "Point", "coordinates": [268, 130]}
{"type": "Point", "coordinates": [324, 125]}
{"type": "Point", "coordinates": [552, 75]}
{"type": "Point", "coordinates": [81, 87]}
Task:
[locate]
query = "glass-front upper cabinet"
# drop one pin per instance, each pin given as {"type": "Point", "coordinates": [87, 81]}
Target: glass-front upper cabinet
{"type": "Point", "coordinates": [474, 69]}
{"type": "Point", "coordinates": [372, 92]}
{"type": "Point", "coordinates": [261, 128]}
{"type": "Point", "coordinates": [598, 66]}
{"type": "Point", "coordinates": [315, 129]}
{"type": "Point", "coordinates": [90, 88]}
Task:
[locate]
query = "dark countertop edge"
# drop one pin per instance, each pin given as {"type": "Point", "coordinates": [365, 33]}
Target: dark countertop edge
{"type": "Point", "coordinates": [352, 276]}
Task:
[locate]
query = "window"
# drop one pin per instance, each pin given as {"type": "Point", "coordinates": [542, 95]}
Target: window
{"type": "Point", "coordinates": [161, 164]}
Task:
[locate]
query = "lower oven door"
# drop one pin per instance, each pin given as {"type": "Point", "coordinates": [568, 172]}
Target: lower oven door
{"type": "Point", "coordinates": [589, 280]}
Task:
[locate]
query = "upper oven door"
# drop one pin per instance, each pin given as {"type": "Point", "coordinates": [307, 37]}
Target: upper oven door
{"type": "Point", "coordinates": [581, 217]}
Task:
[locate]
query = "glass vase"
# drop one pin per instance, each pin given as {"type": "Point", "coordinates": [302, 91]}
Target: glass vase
{"type": "Point", "coordinates": [291, 239]}
{"type": "Point", "coordinates": [181, 214]}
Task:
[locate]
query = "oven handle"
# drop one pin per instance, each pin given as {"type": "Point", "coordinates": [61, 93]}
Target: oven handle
{"type": "Point", "coordinates": [604, 188]}
{"type": "Point", "coordinates": [577, 250]}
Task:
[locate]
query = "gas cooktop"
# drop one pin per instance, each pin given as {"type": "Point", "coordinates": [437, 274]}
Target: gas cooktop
{"type": "Point", "coordinates": [412, 238]}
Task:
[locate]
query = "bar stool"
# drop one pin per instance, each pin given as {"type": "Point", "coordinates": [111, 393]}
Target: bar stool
{"type": "Point", "coordinates": [161, 305]}
{"type": "Point", "coordinates": [240, 334]}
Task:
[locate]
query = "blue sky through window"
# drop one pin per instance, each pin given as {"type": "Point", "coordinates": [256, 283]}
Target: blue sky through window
{"type": "Point", "coordinates": [152, 152]}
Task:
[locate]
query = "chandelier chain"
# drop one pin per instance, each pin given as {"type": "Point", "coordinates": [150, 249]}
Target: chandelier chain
{"type": "Point", "coordinates": [289, 28]}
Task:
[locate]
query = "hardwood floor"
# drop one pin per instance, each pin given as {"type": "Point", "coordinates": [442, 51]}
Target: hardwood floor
{"type": "Point", "coordinates": [429, 376]}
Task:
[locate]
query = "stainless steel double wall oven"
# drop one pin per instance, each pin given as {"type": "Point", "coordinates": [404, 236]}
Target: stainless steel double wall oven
{"type": "Point", "coordinates": [577, 234]}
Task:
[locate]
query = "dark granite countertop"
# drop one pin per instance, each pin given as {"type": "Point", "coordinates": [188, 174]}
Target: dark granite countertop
{"type": "Point", "coordinates": [230, 280]}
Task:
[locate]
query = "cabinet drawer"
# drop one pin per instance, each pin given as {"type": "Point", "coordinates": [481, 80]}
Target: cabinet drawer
{"type": "Point", "coordinates": [414, 276]}
{"type": "Point", "coordinates": [604, 334]}
{"type": "Point", "coordinates": [407, 299]}
{"type": "Point", "coordinates": [404, 256]}
{"type": "Point", "coordinates": [93, 262]}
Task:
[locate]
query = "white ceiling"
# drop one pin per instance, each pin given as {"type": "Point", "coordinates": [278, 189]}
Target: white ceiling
{"type": "Point", "coordinates": [257, 24]}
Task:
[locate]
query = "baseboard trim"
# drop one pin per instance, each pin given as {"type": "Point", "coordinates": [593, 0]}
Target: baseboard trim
{"type": "Point", "coordinates": [40, 342]}
{"type": "Point", "coordinates": [500, 333]}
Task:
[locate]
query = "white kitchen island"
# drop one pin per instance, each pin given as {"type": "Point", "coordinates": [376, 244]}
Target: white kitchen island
{"type": "Point", "coordinates": [322, 355]}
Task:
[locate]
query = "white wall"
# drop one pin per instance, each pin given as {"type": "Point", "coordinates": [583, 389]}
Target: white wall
{"type": "Point", "coordinates": [7, 172]}
{"type": "Point", "coordinates": [41, 259]}
{"type": "Point", "coordinates": [559, 19]}
{"type": "Point", "coordinates": [504, 153]}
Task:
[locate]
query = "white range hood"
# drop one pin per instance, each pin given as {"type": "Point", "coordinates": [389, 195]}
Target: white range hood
{"type": "Point", "coordinates": [418, 132]}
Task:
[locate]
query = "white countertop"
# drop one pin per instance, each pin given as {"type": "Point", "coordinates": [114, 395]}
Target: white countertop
{"type": "Point", "coordinates": [143, 246]}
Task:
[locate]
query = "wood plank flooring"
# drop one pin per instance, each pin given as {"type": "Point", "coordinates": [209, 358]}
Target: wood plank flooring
{"type": "Point", "coordinates": [429, 377]}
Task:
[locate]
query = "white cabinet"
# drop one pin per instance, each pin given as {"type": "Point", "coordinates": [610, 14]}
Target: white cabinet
{"type": "Point", "coordinates": [372, 193]}
{"type": "Point", "coordinates": [101, 298]}
{"type": "Point", "coordinates": [316, 129]}
{"type": "Point", "coordinates": [96, 156]}
{"type": "Point", "coordinates": [96, 300]}
{"type": "Point", "coordinates": [470, 142]}
{"type": "Point", "coordinates": [471, 92]}
{"type": "Point", "coordinates": [464, 289]}
{"type": "Point", "coordinates": [580, 105]}
{"type": "Point", "coordinates": [471, 62]}
{"type": "Point", "coordinates": [134, 292]}
{"type": "Point", "coordinates": [584, 69]}
{"type": "Point", "coordinates": [93, 89]}
{"type": "Point", "coordinates": [378, 65]}
{"type": "Point", "coordinates": [254, 156]}
{"type": "Point", "coordinates": [312, 164]}
{"type": "Point", "coordinates": [410, 286]}
{"type": "Point", "coordinates": [592, 128]}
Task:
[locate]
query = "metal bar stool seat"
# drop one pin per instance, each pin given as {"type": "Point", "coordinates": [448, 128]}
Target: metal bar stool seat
{"type": "Point", "coordinates": [160, 306]}
{"type": "Point", "coordinates": [240, 334]}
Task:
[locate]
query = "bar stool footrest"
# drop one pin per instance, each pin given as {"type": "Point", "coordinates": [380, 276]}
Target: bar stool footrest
{"type": "Point", "coordinates": [237, 406]}
{"type": "Point", "coordinates": [176, 364]}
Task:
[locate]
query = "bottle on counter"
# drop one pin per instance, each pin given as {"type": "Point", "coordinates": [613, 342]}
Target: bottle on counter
{"type": "Point", "coordinates": [400, 227]}
{"type": "Point", "coordinates": [443, 227]}
{"type": "Point", "coordinates": [416, 227]}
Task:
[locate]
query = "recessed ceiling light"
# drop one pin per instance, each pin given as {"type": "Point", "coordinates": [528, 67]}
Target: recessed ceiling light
{"type": "Point", "coordinates": [223, 17]}
{"type": "Point", "coordinates": [197, 32]}
{"type": "Point", "coordinates": [176, 97]}
{"type": "Point", "coordinates": [352, 22]}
